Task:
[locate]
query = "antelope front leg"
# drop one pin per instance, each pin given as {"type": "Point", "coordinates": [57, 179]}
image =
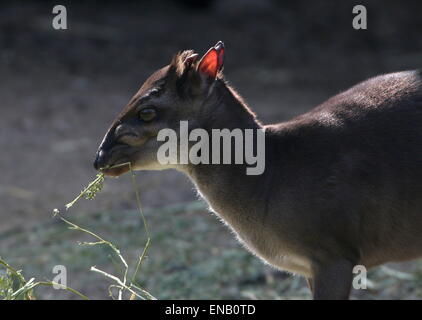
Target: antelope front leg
{"type": "Point", "coordinates": [332, 281]}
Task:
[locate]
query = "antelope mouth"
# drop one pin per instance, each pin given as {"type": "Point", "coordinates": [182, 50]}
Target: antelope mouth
{"type": "Point", "coordinates": [116, 170]}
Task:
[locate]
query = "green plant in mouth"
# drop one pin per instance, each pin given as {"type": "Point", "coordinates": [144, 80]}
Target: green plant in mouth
{"type": "Point", "coordinates": [125, 283]}
{"type": "Point", "coordinates": [13, 284]}
{"type": "Point", "coordinates": [90, 191]}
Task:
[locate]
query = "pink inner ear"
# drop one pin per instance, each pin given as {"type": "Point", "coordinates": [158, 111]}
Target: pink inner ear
{"type": "Point", "coordinates": [209, 63]}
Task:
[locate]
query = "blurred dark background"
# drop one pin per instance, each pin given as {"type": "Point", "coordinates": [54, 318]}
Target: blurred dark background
{"type": "Point", "coordinates": [60, 90]}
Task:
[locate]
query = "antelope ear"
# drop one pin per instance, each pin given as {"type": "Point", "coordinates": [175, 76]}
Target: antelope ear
{"type": "Point", "coordinates": [212, 61]}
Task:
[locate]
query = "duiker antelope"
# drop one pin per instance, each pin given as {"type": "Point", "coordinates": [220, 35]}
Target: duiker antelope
{"type": "Point", "coordinates": [342, 184]}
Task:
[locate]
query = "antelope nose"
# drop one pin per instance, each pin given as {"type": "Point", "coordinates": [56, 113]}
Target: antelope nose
{"type": "Point", "coordinates": [100, 158]}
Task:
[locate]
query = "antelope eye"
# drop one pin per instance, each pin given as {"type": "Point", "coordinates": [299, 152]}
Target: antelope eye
{"type": "Point", "coordinates": [147, 114]}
